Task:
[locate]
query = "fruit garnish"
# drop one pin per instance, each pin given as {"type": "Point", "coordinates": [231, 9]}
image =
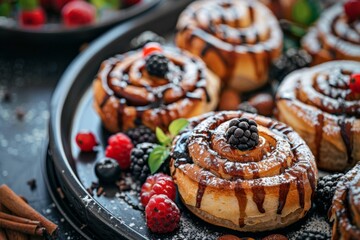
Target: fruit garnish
{"type": "Point", "coordinates": [325, 191]}
{"type": "Point", "coordinates": [352, 10]}
{"type": "Point", "coordinates": [305, 11]}
{"type": "Point", "coordinates": [159, 183]}
{"type": "Point", "coordinates": [161, 152]}
{"type": "Point", "coordinates": [242, 134]}
{"type": "Point", "coordinates": [77, 13]}
{"type": "Point", "coordinates": [107, 170]}
{"type": "Point", "coordinates": [150, 48]}
{"type": "Point", "coordinates": [141, 134]}
{"type": "Point", "coordinates": [139, 160]}
{"type": "Point", "coordinates": [129, 3]}
{"type": "Point", "coordinates": [119, 148]}
{"type": "Point", "coordinates": [157, 65]}
{"type": "Point", "coordinates": [5, 8]}
{"type": "Point", "coordinates": [162, 214]}
{"type": "Point", "coordinates": [355, 83]}
{"type": "Point", "coordinates": [86, 141]}
{"type": "Point", "coordinates": [28, 4]}
{"type": "Point", "coordinates": [32, 18]}
{"type": "Point", "coordinates": [108, 4]}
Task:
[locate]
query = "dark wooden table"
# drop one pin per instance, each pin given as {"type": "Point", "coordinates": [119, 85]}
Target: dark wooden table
{"type": "Point", "coordinates": [28, 76]}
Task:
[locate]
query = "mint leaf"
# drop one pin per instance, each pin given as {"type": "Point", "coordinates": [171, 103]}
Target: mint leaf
{"type": "Point", "coordinates": [157, 157]}
{"type": "Point", "coordinates": [162, 137]}
{"type": "Point", "coordinates": [177, 125]}
{"type": "Point", "coordinates": [28, 4]}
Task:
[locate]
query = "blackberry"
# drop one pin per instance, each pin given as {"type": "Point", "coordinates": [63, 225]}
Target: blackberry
{"type": "Point", "coordinates": [312, 235]}
{"type": "Point", "coordinates": [144, 38]}
{"type": "Point", "coordinates": [139, 160]}
{"type": "Point", "coordinates": [242, 134]}
{"type": "Point", "coordinates": [157, 65]}
{"type": "Point", "coordinates": [291, 60]}
{"type": "Point", "coordinates": [141, 134]}
{"type": "Point", "coordinates": [325, 191]}
{"type": "Point", "coordinates": [247, 107]}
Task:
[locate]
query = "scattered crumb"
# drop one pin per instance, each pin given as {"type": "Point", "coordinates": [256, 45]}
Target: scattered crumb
{"type": "Point", "coordinates": [32, 184]}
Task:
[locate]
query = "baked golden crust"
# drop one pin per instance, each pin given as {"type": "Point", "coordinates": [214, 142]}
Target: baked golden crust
{"type": "Point", "coordinates": [237, 41]}
{"type": "Point", "coordinates": [125, 94]}
{"type": "Point", "coordinates": [319, 105]}
{"type": "Point", "coordinates": [333, 38]}
{"type": "Point", "coordinates": [268, 187]}
{"type": "Point", "coordinates": [344, 211]}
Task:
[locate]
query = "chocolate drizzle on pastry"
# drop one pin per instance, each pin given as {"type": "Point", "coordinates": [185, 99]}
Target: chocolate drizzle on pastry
{"type": "Point", "coordinates": [225, 33]}
{"type": "Point", "coordinates": [137, 94]}
{"type": "Point", "coordinates": [321, 99]}
{"type": "Point", "coordinates": [281, 163]}
{"type": "Point", "coordinates": [333, 38]}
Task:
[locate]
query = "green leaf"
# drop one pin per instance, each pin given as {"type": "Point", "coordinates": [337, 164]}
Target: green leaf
{"type": "Point", "coordinates": [162, 137]}
{"type": "Point", "coordinates": [28, 4]}
{"type": "Point", "coordinates": [157, 157]}
{"type": "Point", "coordinates": [305, 11]}
{"type": "Point", "coordinates": [177, 125]}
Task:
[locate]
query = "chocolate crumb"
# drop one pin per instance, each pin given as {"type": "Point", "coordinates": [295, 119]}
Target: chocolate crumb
{"type": "Point", "coordinates": [7, 96]}
{"type": "Point", "coordinates": [61, 194]}
{"type": "Point", "coordinates": [32, 184]}
{"type": "Point", "coordinates": [20, 113]}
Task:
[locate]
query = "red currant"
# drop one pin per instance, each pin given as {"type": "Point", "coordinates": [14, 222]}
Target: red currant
{"type": "Point", "coordinates": [355, 83]}
{"type": "Point", "coordinates": [352, 9]}
{"type": "Point", "coordinates": [151, 47]}
{"type": "Point", "coordinates": [33, 18]}
{"type": "Point", "coordinates": [86, 141]}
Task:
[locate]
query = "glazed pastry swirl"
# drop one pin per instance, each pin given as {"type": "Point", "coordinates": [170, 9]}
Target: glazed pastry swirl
{"type": "Point", "coordinates": [333, 38]}
{"type": "Point", "coordinates": [126, 94]}
{"type": "Point", "coordinates": [345, 209]}
{"type": "Point", "coordinates": [268, 187]}
{"type": "Point", "coordinates": [320, 106]}
{"type": "Point", "coordinates": [236, 39]}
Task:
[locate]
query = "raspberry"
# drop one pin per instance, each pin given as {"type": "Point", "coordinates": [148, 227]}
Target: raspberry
{"type": "Point", "coordinates": [162, 214]}
{"type": "Point", "coordinates": [157, 184]}
{"type": "Point", "coordinates": [242, 134]}
{"type": "Point", "coordinates": [157, 65]}
{"type": "Point", "coordinates": [128, 3]}
{"type": "Point", "coordinates": [141, 134]}
{"type": "Point", "coordinates": [355, 83]}
{"type": "Point", "coordinates": [78, 13]}
{"type": "Point", "coordinates": [151, 47]}
{"type": "Point", "coordinates": [325, 191]}
{"type": "Point", "coordinates": [59, 4]}
{"type": "Point", "coordinates": [86, 141]}
{"type": "Point", "coordinates": [33, 18]}
{"type": "Point", "coordinates": [352, 10]}
{"type": "Point", "coordinates": [119, 148]}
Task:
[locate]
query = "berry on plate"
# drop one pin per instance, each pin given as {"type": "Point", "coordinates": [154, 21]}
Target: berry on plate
{"type": "Point", "coordinates": [77, 13]}
{"type": "Point", "coordinates": [128, 3]}
{"type": "Point", "coordinates": [139, 161]}
{"type": "Point", "coordinates": [162, 214]}
{"type": "Point", "coordinates": [119, 148]}
{"type": "Point", "coordinates": [32, 18]}
{"type": "Point", "coordinates": [107, 170]}
{"type": "Point", "coordinates": [150, 48]}
{"type": "Point", "coordinates": [352, 10]}
{"type": "Point", "coordinates": [157, 184]}
{"type": "Point", "coordinates": [355, 83]}
{"type": "Point", "coordinates": [141, 134]}
{"type": "Point", "coordinates": [86, 141]}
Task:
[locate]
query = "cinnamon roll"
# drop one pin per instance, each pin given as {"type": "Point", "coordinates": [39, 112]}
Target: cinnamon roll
{"type": "Point", "coordinates": [319, 104]}
{"type": "Point", "coordinates": [333, 37]}
{"type": "Point", "coordinates": [258, 180]}
{"type": "Point", "coordinates": [345, 209]}
{"type": "Point", "coordinates": [236, 39]}
{"type": "Point", "coordinates": [126, 94]}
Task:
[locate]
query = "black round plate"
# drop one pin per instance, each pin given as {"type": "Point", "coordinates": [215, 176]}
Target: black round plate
{"type": "Point", "coordinates": [117, 215]}
{"type": "Point", "coordinates": [57, 34]}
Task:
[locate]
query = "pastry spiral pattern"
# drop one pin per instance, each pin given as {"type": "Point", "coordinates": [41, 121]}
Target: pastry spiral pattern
{"type": "Point", "coordinates": [236, 39]}
{"type": "Point", "coordinates": [318, 103]}
{"type": "Point", "coordinates": [267, 187]}
{"type": "Point", "coordinates": [345, 209]}
{"type": "Point", "coordinates": [333, 37]}
{"type": "Point", "coordinates": [126, 95]}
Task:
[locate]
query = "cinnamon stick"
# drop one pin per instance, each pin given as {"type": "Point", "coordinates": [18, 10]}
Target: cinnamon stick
{"type": "Point", "coordinates": [16, 205]}
{"type": "Point", "coordinates": [2, 235]}
{"type": "Point", "coordinates": [11, 234]}
{"type": "Point", "coordinates": [18, 219]}
{"type": "Point", "coordinates": [22, 227]}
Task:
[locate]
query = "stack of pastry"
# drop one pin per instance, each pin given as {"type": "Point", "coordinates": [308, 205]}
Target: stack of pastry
{"type": "Point", "coordinates": [319, 104]}
{"type": "Point", "coordinates": [236, 39]}
{"type": "Point", "coordinates": [243, 171]}
{"type": "Point", "coordinates": [129, 89]}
